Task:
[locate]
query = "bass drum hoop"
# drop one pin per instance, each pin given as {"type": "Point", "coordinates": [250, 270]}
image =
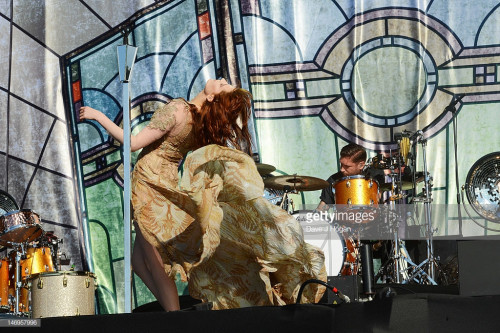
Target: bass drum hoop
{"type": "Point", "coordinates": [334, 265]}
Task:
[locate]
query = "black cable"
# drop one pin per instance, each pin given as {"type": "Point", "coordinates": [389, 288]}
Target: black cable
{"type": "Point", "coordinates": [343, 297]}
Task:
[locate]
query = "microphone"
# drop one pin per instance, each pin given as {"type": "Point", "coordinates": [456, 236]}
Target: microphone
{"type": "Point", "coordinates": [454, 102]}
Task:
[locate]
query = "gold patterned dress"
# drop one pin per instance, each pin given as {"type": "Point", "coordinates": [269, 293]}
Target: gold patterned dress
{"type": "Point", "coordinates": [214, 227]}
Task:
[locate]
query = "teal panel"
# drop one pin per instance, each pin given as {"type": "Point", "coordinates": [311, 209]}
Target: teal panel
{"type": "Point", "coordinates": [319, 88]}
{"type": "Point", "coordinates": [167, 30]}
{"type": "Point", "coordinates": [268, 91]}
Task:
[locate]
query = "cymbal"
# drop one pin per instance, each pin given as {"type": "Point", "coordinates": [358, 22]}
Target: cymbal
{"type": "Point", "coordinates": [264, 169]}
{"type": "Point", "coordinates": [300, 183]}
{"type": "Point", "coordinates": [405, 183]}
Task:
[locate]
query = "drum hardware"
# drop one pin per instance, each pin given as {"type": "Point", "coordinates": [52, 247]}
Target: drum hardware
{"type": "Point", "coordinates": [292, 184]}
{"type": "Point", "coordinates": [53, 242]}
{"type": "Point", "coordinates": [405, 185]}
{"type": "Point", "coordinates": [339, 248]}
{"type": "Point", "coordinates": [31, 254]}
{"type": "Point", "coordinates": [399, 268]}
{"type": "Point", "coordinates": [425, 271]}
{"type": "Point", "coordinates": [21, 226]}
{"type": "Point", "coordinates": [286, 201]}
{"type": "Point", "coordinates": [296, 183]}
{"type": "Point", "coordinates": [402, 268]}
{"type": "Point", "coordinates": [356, 193]}
{"type": "Point", "coordinates": [18, 282]}
{"type": "Point", "coordinates": [66, 293]}
{"type": "Point", "coordinates": [431, 261]}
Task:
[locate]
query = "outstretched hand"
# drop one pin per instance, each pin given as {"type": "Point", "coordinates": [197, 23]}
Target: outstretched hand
{"type": "Point", "coordinates": [87, 112]}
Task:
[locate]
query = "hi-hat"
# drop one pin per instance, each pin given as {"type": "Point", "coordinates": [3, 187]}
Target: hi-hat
{"type": "Point", "coordinates": [299, 183]}
{"type": "Point", "coordinates": [264, 169]}
{"type": "Point", "coordinates": [406, 184]}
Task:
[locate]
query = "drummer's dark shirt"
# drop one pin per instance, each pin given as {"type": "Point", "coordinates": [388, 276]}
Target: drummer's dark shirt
{"type": "Point", "coordinates": [327, 194]}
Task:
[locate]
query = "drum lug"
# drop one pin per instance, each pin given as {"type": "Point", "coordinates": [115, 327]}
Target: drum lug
{"type": "Point", "coordinates": [370, 184]}
{"type": "Point", "coordinates": [348, 184]}
{"type": "Point", "coordinates": [40, 283]}
{"type": "Point", "coordinates": [87, 282]}
{"type": "Point", "coordinates": [349, 202]}
{"type": "Point", "coordinates": [65, 281]}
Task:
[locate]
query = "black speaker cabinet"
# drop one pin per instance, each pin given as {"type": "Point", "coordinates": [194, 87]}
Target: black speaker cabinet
{"type": "Point", "coordinates": [479, 267]}
{"type": "Point", "coordinates": [348, 285]}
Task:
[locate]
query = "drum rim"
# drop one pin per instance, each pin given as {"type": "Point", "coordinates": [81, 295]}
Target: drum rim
{"type": "Point", "coordinates": [36, 226]}
{"type": "Point", "coordinates": [57, 273]}
{"type": "Point", "coordinates": [341, 239]}
{"type": "Point", "coordinates": [19, 211]}
{"type": "Point", "coordinates": [355, 177]}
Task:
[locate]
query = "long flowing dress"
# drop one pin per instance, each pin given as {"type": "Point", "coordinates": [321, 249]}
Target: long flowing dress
{"type": "Point", "coordinates": [214, 227]}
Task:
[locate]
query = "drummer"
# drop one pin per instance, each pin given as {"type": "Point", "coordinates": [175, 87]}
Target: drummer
{"type": "Point", "coordinates": [352, 163]}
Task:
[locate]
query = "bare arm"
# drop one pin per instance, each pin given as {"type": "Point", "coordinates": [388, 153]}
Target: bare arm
{"type": "Point", "coordinates": [322, 207]}
{"type": "Point", "coordinates": [145, 137]}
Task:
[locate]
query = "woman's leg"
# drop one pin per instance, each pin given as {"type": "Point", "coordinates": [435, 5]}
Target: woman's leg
{"type": "Point", "coordinates": [148, 266]}
{"type": "Point", "coordinates": [140, 266]}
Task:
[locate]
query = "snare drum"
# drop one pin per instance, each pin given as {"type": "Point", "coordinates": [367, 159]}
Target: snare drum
{"type": "Point", "coordinates": [21, 226]}
{"type": "Point", "coordinates": [63, 293]}
{"type": "Point", "coordinates": [339, 249]}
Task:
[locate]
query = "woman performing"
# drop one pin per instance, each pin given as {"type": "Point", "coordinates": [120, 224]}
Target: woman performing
{"type": "Point", "coordinates": [212, 225]}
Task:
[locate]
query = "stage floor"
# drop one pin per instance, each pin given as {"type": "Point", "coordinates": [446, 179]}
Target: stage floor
{"type": "Point", "coordinates": [409, 312]}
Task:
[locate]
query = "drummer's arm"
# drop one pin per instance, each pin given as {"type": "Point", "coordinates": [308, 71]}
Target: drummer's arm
{"type": "Point", "coordinates": [322, 207]}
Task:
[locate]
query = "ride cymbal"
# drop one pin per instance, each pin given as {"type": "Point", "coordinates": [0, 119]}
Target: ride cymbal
{"type": "Point", "coordinates": [299, 183]}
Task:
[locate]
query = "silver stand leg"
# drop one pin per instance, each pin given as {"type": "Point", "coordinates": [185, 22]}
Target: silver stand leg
{"type": "Point", "coordinates": [428, 220]}
{"type": "Point", "coordinates": [396, 254]}
{"type": "Point", "coordinates": [18, 282]}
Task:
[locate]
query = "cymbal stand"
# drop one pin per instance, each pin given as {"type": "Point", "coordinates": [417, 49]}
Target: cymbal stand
{"type": "Point", "coordinates": [19, 254]}
{"type": "Point", "coordinates": [404, 270]}
{"type": "Point", "coordinates": [396, 196]}
{"type": "Point", "coordinates": [393, 222]}
{"type": "Point", "coordinates": [427, 199]}
{"type": "Point", "coordinates": [287, 202]}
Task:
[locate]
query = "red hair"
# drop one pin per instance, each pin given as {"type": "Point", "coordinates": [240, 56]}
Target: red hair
{"type": "Point", "coordinates": [217, 121]}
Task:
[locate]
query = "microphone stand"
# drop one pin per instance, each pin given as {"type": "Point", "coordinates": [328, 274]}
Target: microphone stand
{"type": "Point", "coordinates": [451, 108]}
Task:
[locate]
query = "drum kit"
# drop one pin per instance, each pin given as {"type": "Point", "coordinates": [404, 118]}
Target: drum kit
{"type": "Point", "coordinates": [30, 269]}
{"type": "Point", "coordinates": [365, 197]}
